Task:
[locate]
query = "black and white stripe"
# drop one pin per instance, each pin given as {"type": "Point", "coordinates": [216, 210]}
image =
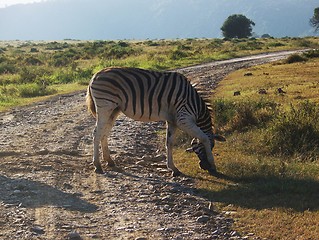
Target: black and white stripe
{"type": "Point", "coordinates": [150, 96]}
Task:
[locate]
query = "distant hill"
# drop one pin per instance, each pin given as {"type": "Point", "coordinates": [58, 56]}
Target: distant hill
{"type": "Point", "coordinates": [153, 19]}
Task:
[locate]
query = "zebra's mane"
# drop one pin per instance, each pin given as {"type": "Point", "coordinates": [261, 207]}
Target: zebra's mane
{"type": "Point", "coordinates": [203, 93]}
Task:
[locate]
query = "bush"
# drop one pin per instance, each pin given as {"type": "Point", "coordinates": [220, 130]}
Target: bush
{"type": "Point", "coordinates": [61, 59]}
{"type": "Point", "coordinates": [32, 74]}
{"type": "Point", "coordinates": [295, 132]}
{"type": "Point", "coordinates": [242, 116]}
{"type": "Point", "coordinates": [178, 54]}
{"type": "Point", "coordinates": [34, 90]}
{"type": "Point", "coordinates": [312, 53]}
{"type": "Point", "coordinates": [33, 61]}
{"type": "Point", "coordinates": [275, 44]}
{"type": "Point", "coordinates": [64, 76]}
{"type": "Point", "coordinates": [295, 58]}
{"type": "Point", "coordinates": [7, 67]}
{"type": "Point", "coordinates": [119, 50]}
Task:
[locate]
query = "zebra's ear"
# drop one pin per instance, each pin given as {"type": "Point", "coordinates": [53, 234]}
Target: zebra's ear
{"type": "Point", "coordinates": [194, 141]}
{"type": "Point", "coordinates": [193, 144]}
{"type": "Point", "coordinates": [219, 138]}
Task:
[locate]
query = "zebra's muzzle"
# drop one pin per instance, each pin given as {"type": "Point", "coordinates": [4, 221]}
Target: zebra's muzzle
{"type": "Point", "coordinates": [201, 154]}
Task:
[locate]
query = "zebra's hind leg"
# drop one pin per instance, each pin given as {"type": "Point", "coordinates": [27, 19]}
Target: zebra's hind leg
{"type": "Point", "coordinates": [100, 134]}
{"type": "Point", "coordinates": [170, 135]}
{"type": "Point", "coordinates": [104, 141]}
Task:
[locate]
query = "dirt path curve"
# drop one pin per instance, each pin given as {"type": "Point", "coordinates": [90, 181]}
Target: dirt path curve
{"type": "Point", "coordinates": [48, 189]}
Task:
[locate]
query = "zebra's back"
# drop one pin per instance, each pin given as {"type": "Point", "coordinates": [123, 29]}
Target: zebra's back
{"type": "Point", "coordinates": [141, 94]}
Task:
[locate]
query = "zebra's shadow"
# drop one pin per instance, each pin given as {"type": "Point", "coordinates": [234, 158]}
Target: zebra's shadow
{"type": "Point", "coordinates": [32, 194]}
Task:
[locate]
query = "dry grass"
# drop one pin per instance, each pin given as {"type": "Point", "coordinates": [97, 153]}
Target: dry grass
{"type": "Point", "coordinates": [270, 196]}
{"type": "Point", "coordinates": [299, 80]}
{"type": "Point", "coordinates": [263, 198]}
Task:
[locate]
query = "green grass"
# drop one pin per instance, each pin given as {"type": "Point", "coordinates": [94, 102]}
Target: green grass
{"type": "Point", "coordinates": [270, 159]}
{"type": "Point", "coordinates": [33, 93]}
{"type": "Point", "coordinates": [33, 65]}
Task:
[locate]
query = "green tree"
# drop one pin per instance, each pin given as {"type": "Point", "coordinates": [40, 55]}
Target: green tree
{"type": "Point", "coordinates": [314, 21]}
{"type": "Point", "coordinates": [237, 26]}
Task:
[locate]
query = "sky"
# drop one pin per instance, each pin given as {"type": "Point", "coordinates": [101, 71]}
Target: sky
{"type": "Point", "coordinates": [148, 19]}
{"type": "Point", "coordinates": [6, 3]}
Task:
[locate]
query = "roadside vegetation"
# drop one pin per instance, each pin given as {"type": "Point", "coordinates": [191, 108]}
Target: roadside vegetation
{"type": "Point", "coordinates": [32, 69]}
{"type": "Point", "coordinates": [271, 156]}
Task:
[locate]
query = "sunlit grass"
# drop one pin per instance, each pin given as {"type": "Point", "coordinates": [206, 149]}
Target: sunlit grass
{"type": "Point", "coordinates": [7, 102]}
{"type": "Point", "coordinates": [32, 65]}
{"type": "Point", "coordinates": [266, 196]}
{"type": "Point", "coordinates": [272, 196]}
{"type": "Point", "coordinates": [298, 80]}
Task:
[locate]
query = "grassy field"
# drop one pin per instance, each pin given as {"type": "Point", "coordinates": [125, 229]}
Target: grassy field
{"type": "Point", "coordinates": [271, 154]}
{"type": "Point", "coordinates": [32, 69]}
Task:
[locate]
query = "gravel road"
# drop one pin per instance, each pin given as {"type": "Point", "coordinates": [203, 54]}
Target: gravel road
{"type": "Point", "coordinates": [49, 190]}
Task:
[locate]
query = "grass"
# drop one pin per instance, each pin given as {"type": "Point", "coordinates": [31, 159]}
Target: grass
{"type": "Point", "coordinates": [269, 193]}
{"type": "Point", "coordinates": [26, 67]}
{"type": "Point", "coordinates": [270, 158]}
{"type": "Point", "coordinates": [265, 197]}
{"type": "Point", "coordinates": [298, 80]}
{"type": "Point", "coordinates": [10, 101]}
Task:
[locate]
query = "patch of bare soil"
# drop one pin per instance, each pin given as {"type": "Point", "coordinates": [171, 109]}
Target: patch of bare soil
{"type": "Point", "coordinates": [48, 189]}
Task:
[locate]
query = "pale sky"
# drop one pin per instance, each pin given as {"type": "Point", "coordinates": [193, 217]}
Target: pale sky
{"type": "Point", "coordinates": [6, 3]}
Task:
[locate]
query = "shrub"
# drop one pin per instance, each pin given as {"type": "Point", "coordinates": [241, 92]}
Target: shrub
{"type": "Point", "coordinates": [7, 67]}
{"type": "Point", "coordinates": [64, 76]}
{"type": "Point", "coordinates": [295, 58]}
{"type": "Point", "coordinates": [34, 90]}
{"type": "Point", "coordinates": [224, 111]}
{"type": "Point", "coordinates": [312, 53]}
{"type": "Point", "coordinates": [275, 44]}
{"type": "Point", "coordinates": [34, 50]}
{"type": "Point", "coordinates": [61, 59]}
{"type": "Point", "coordinates": [295, 132]}
{"type": "Point", "coordinates": [32, 74]}
{"type": "Point", "coordinates": [33, 61]}
{"type": "Point", "coordinates": [242, 116]}
{"type": "Point", "coordinates": [177, 54]}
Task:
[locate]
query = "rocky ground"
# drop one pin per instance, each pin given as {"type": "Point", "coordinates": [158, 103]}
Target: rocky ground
{"type": "Point", "coordinates": [49, 190]}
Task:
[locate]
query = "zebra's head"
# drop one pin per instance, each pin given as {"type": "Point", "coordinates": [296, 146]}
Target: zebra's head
{"type": "Point", "coordinates": [199, 149]}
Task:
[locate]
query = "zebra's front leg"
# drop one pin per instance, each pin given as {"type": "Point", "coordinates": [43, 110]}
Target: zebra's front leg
{"type": "Point", "coordinates": [170, 135]}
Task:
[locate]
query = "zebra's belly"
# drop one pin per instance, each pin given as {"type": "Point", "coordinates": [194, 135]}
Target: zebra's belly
{"type": "Point", "coordinates": [146, 117]}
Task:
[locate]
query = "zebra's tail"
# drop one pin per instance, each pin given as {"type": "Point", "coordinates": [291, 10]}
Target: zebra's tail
{"type": "Point", "coordinates": [89, 102]}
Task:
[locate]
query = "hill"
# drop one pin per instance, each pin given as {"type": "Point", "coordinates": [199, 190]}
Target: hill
{"type": "Point", "coordinates": [154, 19]}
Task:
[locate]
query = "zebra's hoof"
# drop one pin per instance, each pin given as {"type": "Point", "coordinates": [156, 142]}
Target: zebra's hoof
{"type": "Point", "coordinates": [98, 171]}
{"type": "Point", "coordinates": [205, 165]}
{"type": "Point", "coordinates": [111, 164]}
{"type": "Point", "coordinates": [176, 174]}
{"type": "Point", "coordinates": [213, 172]}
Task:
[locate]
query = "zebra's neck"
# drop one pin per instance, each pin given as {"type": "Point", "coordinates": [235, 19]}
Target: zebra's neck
{"type": "Point", "coordinates": [204, 121]}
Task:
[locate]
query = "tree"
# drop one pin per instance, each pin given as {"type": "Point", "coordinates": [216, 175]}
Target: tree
{"type": "Point", "coordinates": [237, 26]}
{"type": "Point", "coordinates": [314, 21]}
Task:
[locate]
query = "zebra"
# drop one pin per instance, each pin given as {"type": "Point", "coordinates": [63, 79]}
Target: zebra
{"type": "Point", "coordinates": [146, 95]}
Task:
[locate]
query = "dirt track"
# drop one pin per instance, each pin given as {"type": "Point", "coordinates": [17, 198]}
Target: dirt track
{"type": "Point", "coordinates": [49, 190]}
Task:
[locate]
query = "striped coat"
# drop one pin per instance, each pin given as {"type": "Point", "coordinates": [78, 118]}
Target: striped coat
{"type": "Point", "coordinates": [150, 96]}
